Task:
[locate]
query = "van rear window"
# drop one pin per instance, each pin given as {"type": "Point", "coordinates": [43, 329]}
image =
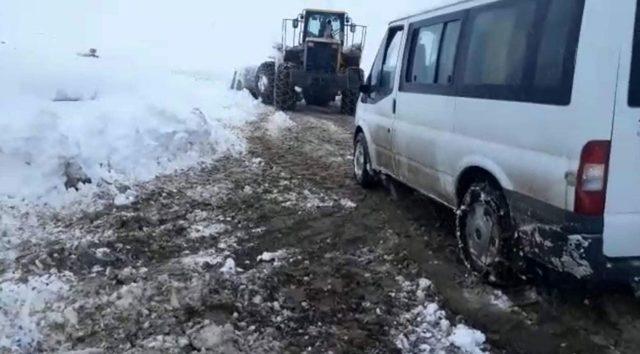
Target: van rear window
{"type": "Point", "coordinates": [634, 82]}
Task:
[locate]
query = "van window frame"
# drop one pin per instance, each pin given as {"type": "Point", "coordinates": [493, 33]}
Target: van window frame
{"type": "Point", "coordinates": [409, 52]}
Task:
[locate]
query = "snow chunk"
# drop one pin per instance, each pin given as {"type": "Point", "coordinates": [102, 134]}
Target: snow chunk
{"type": "Point", "coordinates": [467, 339]}
{"type": "Point", "coordinates": [125, 198]}
{"type": "Point", "coordinates": [272, 256]}
{"type": "Point", "coordinates": [229, 267]}
{"type": "Point", "coordinates": [346, 203]}
{"type": "Point", "coordinates": [278, 122]}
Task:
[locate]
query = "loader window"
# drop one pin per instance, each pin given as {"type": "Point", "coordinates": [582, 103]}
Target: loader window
{"type": "Point", "coordinates": [327, 26]}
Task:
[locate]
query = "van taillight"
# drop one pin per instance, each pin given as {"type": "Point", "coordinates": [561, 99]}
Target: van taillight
{"type": "Point", "coordinates": [591, 188]}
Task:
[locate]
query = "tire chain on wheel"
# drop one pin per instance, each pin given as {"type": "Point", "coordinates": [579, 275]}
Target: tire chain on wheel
{"type": "Point", "coordinates": [267, 69]}
{"type": "Point", "coordinates": [503, 271]}
{"type": "Point", "coordinates": [285, 92]}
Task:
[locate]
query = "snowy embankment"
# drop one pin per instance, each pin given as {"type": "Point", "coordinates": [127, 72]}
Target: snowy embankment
{"type": "Point", "coordinates": [69, 118]}
{"type": "Point", "coordinates": [77, 132]}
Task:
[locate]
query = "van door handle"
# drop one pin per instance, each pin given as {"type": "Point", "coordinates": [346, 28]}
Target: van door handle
{"type": "Point", "coordinates": [394, 106]}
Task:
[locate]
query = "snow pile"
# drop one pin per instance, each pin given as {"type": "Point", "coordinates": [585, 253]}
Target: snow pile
{"type": "Point", "coordinates": [278, 122]}
{"type": "Point", "coordinates": [426, 329]}
{"type": "Point", "coordinates": [68, 119]}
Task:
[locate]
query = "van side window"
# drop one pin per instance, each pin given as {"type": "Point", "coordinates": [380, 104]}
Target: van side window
{"type": "Point", "coordinates": [446, 63]}
{"type": "Point", "coordinates": [383, 70]}
{"type": "Point", "coordinates": [431, 55]}
{"type": "Point", "coordinates": [390, 63]}
{"type": "Point", "coordinates": [521, 50]}
{"type": "Point", "coordinates": [425, 47]}
{"type": "Point", "coordinates": [556, 31]}
{"type": "Point", "coordinates": [498, 44]}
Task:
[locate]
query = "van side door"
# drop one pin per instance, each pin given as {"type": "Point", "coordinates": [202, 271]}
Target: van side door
{"type": "Point", "coordinates": [377, 111]}
{"type": "Point", "coordinates": [426, 103]}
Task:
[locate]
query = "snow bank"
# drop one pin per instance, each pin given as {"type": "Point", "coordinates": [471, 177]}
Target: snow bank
{"type": "Point", "coordinates": [116, 122]}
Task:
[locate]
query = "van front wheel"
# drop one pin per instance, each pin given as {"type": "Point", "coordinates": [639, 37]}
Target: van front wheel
{"type": "Point", "coordinates": [362, 163]}
{"type": "Point", "coordinates": [485, 232]}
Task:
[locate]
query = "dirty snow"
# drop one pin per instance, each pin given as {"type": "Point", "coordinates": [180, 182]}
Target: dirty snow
{"type": "Point", "coordinates": [24, 304]}
{"type": "Point", "coordinates": [278, 123]}
{"type": "Point", "coordinates": [427, 328]}
{"type": "Point", "coordinates": [273, 256]}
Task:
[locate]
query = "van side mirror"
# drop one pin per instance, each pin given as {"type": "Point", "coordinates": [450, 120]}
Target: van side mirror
{"type": "Point", "coordinates": [353, 28]}
{"type": "Point", "coordinates": [296, 23]}
{"type": "Point", "coordinates": [366, 89]}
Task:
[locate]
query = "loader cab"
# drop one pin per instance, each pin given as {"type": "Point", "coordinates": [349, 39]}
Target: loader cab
{"type": "Point", "coordinates": [324, 25]}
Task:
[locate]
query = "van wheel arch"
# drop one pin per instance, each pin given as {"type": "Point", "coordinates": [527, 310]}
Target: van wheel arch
{"type": "Point", "coordinates": [358, 131]}
{"type": "Point", "coordinates": [472, 175]}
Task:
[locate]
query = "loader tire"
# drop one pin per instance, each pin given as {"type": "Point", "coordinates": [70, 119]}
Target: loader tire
{"type": "Point", "coordinates": [349, 102]}
{"type": "Point", "coordinates": [265, 81]}
{"type": "Point", "coordinates": [286, 97]}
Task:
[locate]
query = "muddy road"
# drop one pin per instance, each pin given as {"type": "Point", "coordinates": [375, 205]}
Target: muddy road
{"type": "Point", "coordinates": [280, 251]}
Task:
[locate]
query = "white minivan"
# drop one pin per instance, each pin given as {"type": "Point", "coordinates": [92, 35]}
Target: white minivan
{"type": "Point", "coordinates": [523, 116]}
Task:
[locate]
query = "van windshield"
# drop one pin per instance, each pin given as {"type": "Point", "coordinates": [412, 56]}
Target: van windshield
{"type": "Point", "coordinates": [634, 82]}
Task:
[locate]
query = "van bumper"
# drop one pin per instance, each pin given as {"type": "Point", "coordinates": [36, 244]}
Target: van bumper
{"type": "Point", "coordinates": [567, 242]}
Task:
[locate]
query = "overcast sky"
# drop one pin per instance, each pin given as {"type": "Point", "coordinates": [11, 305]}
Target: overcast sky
{"type": "Point", "coordinates": [188, 34]}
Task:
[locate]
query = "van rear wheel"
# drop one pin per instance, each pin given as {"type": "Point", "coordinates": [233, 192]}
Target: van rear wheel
{"type": "Point", "coordinates": [485, 233]}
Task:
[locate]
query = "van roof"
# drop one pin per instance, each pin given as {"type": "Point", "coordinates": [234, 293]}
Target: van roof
{"type": "Point", "coordinates": [439, 4]}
